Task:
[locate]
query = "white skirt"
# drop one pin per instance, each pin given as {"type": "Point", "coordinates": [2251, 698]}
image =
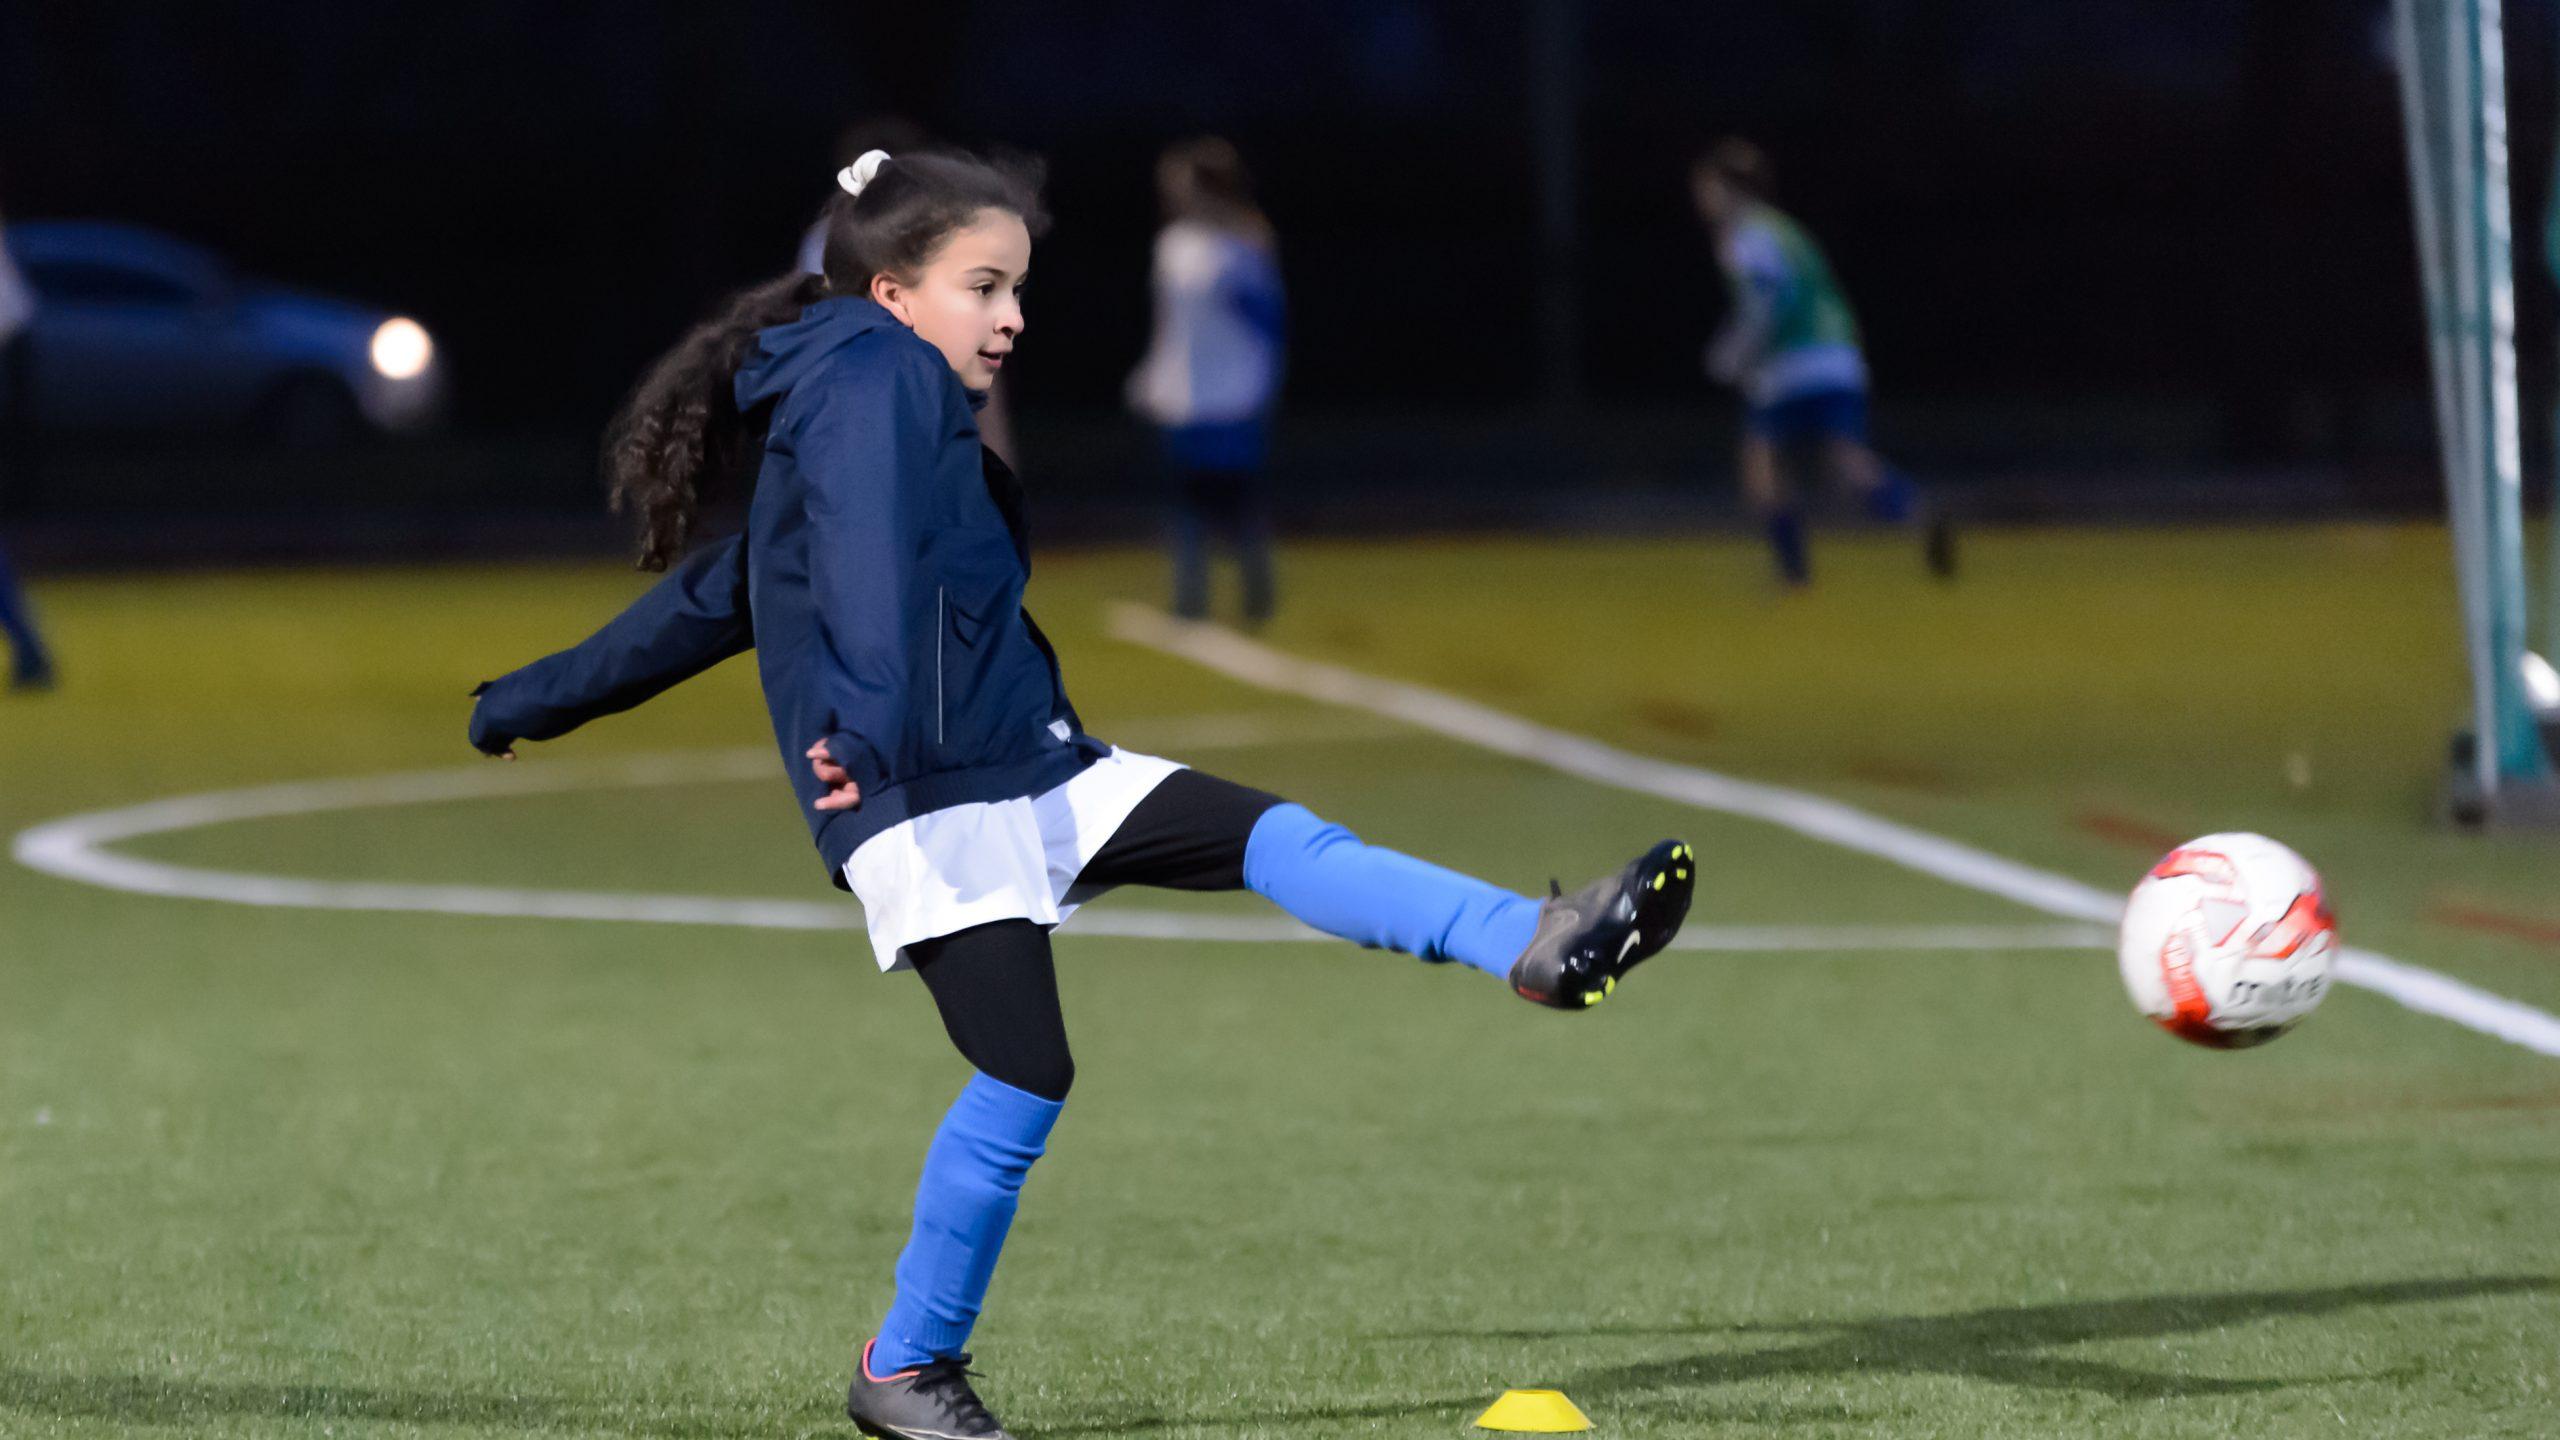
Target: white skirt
{"type": "Point", "coordinates": [994, 860]}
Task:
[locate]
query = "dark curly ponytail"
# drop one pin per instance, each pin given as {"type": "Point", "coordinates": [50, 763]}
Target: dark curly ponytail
{"type": "Point", "coordinates": [681, 424]}
{"type": "Point", "coordinates": [680, 435]}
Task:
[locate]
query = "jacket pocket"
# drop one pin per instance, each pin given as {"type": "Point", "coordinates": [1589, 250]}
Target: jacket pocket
{"type": "Point", "coordinates": [972, 664]}
{"type": "Point", "coordinates": [987, 680]}
{"type": "Point", "coordinates": [968, 622]}
{"type": "Point", "coordinates": [962, 633]}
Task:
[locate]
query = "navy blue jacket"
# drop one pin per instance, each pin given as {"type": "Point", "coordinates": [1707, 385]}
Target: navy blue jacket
{"type": "Point", "coordinates": [879, 581]}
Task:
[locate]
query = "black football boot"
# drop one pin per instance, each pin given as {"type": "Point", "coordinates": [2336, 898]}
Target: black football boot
{"type": "Point", "coordinates": [929, 1402]}
{"type": "Point", "coordinates": [1587, 939]}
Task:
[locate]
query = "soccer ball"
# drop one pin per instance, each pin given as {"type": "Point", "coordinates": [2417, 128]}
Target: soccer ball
{"type": "Point", "coordinates": [2228, 941]}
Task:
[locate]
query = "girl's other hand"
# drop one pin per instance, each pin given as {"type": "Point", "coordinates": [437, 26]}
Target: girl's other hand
{"type": "Point", "coordinates": [842, 793]}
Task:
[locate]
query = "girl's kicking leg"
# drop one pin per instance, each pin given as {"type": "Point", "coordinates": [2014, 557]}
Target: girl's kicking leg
{"type": "Point", "coordinates": [1197, 832]}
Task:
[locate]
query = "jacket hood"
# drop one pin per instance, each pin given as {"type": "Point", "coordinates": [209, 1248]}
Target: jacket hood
{"type": "Point", "coordinates": [785, 353]}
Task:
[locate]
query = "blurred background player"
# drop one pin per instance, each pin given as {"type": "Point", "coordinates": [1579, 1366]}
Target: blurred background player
{"type": "Point", "coordinates": [30, 664]}
{"type": "Point", "coordinates": [1211, 375]}
{"type": "Point", "coordinates": [1791, 348]}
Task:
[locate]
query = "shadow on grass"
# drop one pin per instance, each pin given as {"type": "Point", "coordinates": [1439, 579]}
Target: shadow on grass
{"type": "Point", "coordinates": [143, 1400]}
{"type": "Point", "coordinates": [1311, 1415]}
{"type": "Point", "coordinates": [146, 1402]}
{"type": "Point", "coordinates": [1456, 1411]}
{"type": "Point", "coordinates": [2000, 1345]}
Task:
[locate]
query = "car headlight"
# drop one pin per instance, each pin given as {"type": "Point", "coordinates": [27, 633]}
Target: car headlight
{"type": "Point", "coordinates": [401, 349]}
{"type": "Point", "coordinates": [2541, 686]}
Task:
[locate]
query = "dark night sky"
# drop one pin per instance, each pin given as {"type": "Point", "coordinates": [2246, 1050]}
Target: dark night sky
{"type": "Point", "coordinates": [2108, 196]}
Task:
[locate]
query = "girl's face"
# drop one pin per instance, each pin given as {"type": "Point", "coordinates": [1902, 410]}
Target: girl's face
{"type": "Point", "coordinates": [968, 301]}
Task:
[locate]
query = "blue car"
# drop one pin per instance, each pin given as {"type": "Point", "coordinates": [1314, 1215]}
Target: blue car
{"type": "Point", "coordinates": [137, 331]}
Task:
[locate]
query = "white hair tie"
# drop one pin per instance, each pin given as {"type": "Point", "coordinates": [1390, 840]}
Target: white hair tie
{"type": "Point", "coordinates": [858, 174]}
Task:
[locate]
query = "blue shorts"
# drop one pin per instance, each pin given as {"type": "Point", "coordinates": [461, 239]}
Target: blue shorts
{"type": "Point", "coordinates": [1239, 445]}
{"type": "Point", "coordinates": [1821, 415]}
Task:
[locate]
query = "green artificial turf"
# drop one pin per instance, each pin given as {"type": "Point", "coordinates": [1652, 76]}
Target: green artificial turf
{"type": "Point", "coordinates": [281, 1172]}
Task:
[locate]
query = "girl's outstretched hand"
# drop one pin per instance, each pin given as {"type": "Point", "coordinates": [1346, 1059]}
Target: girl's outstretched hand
{"type": "Point", "coordinates": [486, 737]}
{"type": "Point", "coordinates": [842, 793]}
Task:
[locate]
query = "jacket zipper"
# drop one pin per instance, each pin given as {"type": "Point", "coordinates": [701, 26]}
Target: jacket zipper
{"type": "Point", "coordinates": [941, 624]}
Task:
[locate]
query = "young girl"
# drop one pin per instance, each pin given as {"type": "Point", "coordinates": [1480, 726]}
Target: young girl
{"type": "Point", "coordinates": [1212, 372]}
{"type": "Point", "coordinates": [946, 779]}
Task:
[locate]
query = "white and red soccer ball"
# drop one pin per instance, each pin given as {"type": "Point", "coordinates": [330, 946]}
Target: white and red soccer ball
{"type": "Point", "coordinates": [2228, 941]}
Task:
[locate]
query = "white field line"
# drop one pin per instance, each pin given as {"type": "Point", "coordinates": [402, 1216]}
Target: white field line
{"type": "Point", "coordinates": [1846, 826]}
{"type": "Point", "coordinates": [1179, 735]}
{"type": "Point", "coordinates": [75, 848]}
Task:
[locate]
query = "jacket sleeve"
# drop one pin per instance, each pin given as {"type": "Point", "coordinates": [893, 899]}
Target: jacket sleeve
{"type": "Point", "coordinates": [868, 450]}
{"type": "Point", "coordinates": [688, 622]}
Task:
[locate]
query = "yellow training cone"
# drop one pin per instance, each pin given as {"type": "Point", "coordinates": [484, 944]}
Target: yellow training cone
{"type": "Point", "coordinates": [1542, 1411]}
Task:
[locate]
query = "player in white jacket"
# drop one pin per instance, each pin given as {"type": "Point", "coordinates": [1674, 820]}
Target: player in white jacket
{"type": "Point", "coordinates": [1211, 377]}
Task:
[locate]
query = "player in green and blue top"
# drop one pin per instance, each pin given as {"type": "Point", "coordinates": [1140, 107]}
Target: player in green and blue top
{"type": "Point", "coordinates": [1791, 348]}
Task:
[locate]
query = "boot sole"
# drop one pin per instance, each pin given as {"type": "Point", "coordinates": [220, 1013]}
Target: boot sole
{"type": "Point", "coordinates": [891, 1432]}
{"type": "Point", "coordinates": [884, 1432]}
{"type": "Point", "coordinates": [1665, 879]}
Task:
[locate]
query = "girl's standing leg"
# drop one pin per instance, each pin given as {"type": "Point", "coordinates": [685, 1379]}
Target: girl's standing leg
{"type": "Point", "coordinates": [998, 994]}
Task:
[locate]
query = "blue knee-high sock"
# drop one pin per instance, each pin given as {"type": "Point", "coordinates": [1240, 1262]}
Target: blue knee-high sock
{"type": "Point", "coordinates": [1895, 499]}
{"type": "Point", "coordinates": [1786, 541]}
{"type": "Point", "coordinates": [964, 1205]}
{"type": "Point", "coordinates": [1322, 874]}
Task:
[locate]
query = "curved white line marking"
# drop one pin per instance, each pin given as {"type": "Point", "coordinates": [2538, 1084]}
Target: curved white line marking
{"type": "Point", "coordinates": [1846, 826]}
{"type": "Point", "coordinates": [75, 848]}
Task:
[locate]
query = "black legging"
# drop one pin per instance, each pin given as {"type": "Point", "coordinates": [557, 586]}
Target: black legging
{"type": "Point", "coordinates": [996, 985]}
